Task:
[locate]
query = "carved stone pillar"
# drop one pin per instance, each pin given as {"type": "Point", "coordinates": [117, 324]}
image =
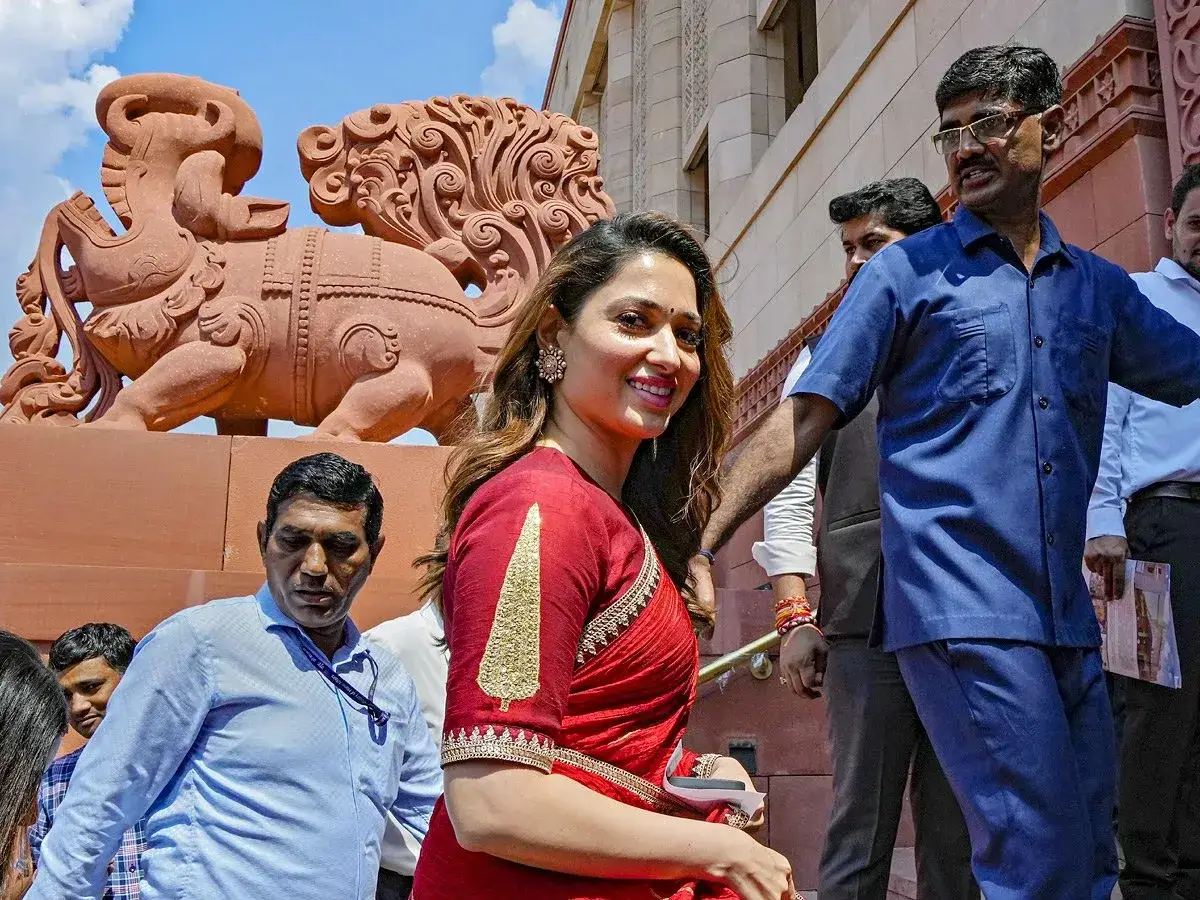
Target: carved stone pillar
{"type": "Point", "coordinates": [1178, 25]}
{"type": "Point", "coordinates": [695, 65]}
{"type": "Point", "coordinates": [616, 109]}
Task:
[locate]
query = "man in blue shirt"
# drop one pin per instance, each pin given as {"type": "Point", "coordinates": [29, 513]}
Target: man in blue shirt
{"type": "Point", "coordinates": [262, 738]}
{"type": "Point", "coordinates": [991, 343]}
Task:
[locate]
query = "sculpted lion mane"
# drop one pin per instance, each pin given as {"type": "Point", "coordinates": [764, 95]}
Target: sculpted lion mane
{"type": "Point", "coordinates": [208, 304]}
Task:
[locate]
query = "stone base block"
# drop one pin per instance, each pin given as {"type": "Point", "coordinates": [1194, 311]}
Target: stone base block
{"type": "Point", "coordinates": [99, 525]}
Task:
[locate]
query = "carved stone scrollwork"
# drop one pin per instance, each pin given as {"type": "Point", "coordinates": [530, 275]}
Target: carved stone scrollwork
{"type": "Point", "coordinates": [1070, 117]}
{"type": "Point", "coordinates": [491, 188]}
{"type": "Point", "coordinates": [134, 335]}
{"type": "Point", "coordinates": [369, 346]}
{"type": "Point", "coordinates": [695, 64]}
{"type": "Point", "coordinates": [1106, 87]}
{"type": "Point", "coordinates": [641, 100]}
{"type": "Point", "coordinates": [1178, 24]}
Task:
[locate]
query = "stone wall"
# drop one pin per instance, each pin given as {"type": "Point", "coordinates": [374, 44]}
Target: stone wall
{"type": "Point", "coordinates": [142, 525]}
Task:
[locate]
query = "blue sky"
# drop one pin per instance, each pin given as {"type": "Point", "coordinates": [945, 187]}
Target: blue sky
{"type": "Point", "coordinates": [297, 62]}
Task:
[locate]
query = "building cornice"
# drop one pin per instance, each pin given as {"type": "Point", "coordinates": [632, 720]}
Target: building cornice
{"type": "Point", "coordinates": [558, 45]}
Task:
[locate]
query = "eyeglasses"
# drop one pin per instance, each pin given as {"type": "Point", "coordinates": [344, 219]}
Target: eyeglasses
{"type": "Point", "coordinates": [987, 130]}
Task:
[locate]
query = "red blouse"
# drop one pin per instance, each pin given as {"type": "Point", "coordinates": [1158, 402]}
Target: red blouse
{"type": "Point", "coordinates": [570, 651]}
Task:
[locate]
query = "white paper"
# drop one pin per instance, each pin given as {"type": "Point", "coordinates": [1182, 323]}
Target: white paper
{"type": "Point", "coordinates": [748, 802]}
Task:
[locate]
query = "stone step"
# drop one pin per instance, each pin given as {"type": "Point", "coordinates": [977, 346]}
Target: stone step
{"type": "Point", "coordinates": [902, 884]}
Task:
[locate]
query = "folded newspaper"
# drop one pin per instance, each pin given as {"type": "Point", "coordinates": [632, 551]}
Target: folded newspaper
{"type": "Point", "coordinates": [1137, 630]}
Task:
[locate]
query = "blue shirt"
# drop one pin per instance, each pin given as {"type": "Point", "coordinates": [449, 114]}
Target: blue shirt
{"type": "Point", "coordinates": [124, 872]}
{"type": "Point", "coordinates": [1146, 442]}
{"type": "Point", "coordinates": [992, 386]}
{"type": "Point", "coordinates": [256, 777]}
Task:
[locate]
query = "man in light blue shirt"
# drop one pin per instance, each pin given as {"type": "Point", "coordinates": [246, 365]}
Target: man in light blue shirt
{"type": "Point", "coordinates": [262, 739]}
{"type": "Point", "coordinates": [1146, 504]}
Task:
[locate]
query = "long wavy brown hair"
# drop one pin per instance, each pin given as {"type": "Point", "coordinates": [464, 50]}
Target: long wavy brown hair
{"type": "Point", "coordinates": [672, 488]}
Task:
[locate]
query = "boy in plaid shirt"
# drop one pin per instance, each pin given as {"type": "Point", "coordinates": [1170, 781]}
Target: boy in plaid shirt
{"type": "Point", "coordinates": [89, 662]}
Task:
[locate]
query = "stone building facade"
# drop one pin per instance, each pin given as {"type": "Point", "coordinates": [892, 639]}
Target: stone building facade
{"type": "Point", "coordinates": [744, 118]}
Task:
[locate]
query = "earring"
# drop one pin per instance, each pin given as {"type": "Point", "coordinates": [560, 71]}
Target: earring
{"type": "Point", "coordinates": [551, 364]}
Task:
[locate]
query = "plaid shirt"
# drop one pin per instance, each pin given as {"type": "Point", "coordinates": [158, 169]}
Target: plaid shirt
{"type": "Point", "coordinates": [125, 870]}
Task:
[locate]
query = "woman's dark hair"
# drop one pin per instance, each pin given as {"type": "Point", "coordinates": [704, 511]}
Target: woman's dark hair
{"type": "Point", "coordinates": [112, 642]}
{"type": "Point", "coordinates": [1025, 75]}
{"type": "Point", "coordinates": [333, 479]}
{"type": "Point", "coordinates": [904, 204]}
{"type": "Point", "coordinates": [671, 490]}
{"type": "Point", "coordinates": [33, 719]}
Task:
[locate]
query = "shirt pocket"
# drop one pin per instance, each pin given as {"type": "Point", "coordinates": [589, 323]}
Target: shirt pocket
{"type": "Point", "coordinates": [1082, 350]}
{"type": "Point", "coordinates": [981, 352]}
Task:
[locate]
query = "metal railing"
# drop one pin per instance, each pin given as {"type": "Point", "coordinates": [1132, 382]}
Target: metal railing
{"type": "Point", "coordinates": [756, 651]}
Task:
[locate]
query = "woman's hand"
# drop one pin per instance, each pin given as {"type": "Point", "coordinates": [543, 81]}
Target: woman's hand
{"type": "Point", "coordinates": [755, 872]}
{"type": "Point", "coordinates": [729, 768]}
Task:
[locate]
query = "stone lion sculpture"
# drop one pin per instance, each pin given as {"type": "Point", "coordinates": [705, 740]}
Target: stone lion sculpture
{"type": "Point", "coordinates": [208, 304]}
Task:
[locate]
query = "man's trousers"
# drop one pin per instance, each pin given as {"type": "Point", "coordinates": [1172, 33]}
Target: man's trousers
{"type": "Point", "coordinates": [1160, 753]}
{"type": "Point", "coordinates": [1025, 736]}
{"type": "Point", "coordinates": [876, 741]}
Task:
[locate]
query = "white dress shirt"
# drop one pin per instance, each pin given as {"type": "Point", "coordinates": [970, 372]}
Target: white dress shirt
{"type": "Point", "coordinates": [787, 547]}
{"type": "Point", "coordinates": [417, 639]}
{"type": "Point", "coordinates": [1147, 442]}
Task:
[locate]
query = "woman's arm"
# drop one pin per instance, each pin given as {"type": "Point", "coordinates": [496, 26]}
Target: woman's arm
{"type": "Point", "coordinates": [550, 822]}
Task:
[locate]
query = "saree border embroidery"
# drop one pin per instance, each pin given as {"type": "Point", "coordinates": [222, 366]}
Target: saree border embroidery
{"type": "Point", "coordinates": [607, 625]}
{"type": "Point", "coordinates": [705, 765]}
{"type": "Point", "coordinates": [498, 742]}
{"type": "Point", "coordinates": [735, 818]}
{"type": "Point", "coordinates": [648, 792]}
{"type": "Point", "coordinates": [511, 664]}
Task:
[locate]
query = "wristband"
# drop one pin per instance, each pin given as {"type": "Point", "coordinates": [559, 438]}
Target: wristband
{"type": "Point", "coordinates": [792, 613]}
{"type": "Point", "coordinates": [711, 557]}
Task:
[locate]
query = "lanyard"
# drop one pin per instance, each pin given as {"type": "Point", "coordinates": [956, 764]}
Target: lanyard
{"type": "Point", "coordinates": [378, 716]}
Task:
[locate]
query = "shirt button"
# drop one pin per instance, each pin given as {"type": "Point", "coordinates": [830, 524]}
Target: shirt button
{"type": "Point", "coordinates": [1043, 402]}
{"type": "Point", "coordinates": [1050, 539]}
{"type": "Point", "coordinates": [1038, 341]}
{"type": "Point", "coordinates": [1047, 468]}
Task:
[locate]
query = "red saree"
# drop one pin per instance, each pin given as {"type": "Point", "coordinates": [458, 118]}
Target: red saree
{"type": "Point", "coordinates": [570, 651]}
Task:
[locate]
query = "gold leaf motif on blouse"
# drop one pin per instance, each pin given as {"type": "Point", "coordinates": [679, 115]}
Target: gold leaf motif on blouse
{"type": "Point", "coordinates": [511, 662]}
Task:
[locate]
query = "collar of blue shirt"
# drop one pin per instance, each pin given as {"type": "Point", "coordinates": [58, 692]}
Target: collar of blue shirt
{"type": "Point", "coordinates": [1172, 270]}
{"type": "Point", "coordinates": [971, 229]}
{"type": "Point", "coordinates": [277, 618]}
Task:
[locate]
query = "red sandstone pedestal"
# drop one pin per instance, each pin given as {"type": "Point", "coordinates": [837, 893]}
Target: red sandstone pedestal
{"type": "Point", "coordinates": [130, 527]}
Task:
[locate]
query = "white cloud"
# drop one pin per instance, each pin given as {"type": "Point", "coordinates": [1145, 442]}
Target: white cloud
{"type": "Point", "coordinates": [48, 88]}
{"type": "Point", "coordinates": [524, 44]}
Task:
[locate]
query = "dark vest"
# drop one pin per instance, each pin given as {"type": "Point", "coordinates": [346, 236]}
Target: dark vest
{"type": "Point", "coordinates": [848, 549]}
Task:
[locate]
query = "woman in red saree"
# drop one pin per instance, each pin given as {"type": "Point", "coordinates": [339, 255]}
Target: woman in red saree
{"type": "Point", "coordinates": [573, 656]}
